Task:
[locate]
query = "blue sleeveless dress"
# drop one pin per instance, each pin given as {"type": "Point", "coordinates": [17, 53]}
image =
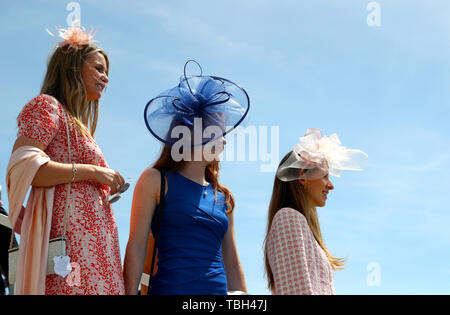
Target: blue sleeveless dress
{"type": "Point", "coordinates": [192, 228]}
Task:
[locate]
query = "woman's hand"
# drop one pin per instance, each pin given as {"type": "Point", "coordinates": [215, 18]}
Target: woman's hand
{"type": "Point", "coordinates": [108, 177]}
{"type": "Point", "coordinates": [55, 173]}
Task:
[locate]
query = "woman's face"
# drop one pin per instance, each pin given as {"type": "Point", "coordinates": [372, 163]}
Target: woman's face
{"type": "Point", "coordinates": [209, 152]}
{"type": "Point", "coordinates": [317, 190]}
{"type": "Point", "coordinates": [218, 146]}
{"type": "Point", "coordinates": [94, 76]}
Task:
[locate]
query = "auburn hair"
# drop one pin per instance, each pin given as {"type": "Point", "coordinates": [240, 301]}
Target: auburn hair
{"type": "Point", "coordinates": [167, 163]}
{"type": "Point", "coordinates": [292, 195]}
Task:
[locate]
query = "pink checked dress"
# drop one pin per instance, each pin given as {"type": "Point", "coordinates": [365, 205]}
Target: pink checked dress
{"type": "Point", "coordinates": [298, 263]}
{"type": "Point", "coordinates": [93, 244]}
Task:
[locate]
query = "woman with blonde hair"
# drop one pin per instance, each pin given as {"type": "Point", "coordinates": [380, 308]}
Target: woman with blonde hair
{"type": "Point", "coordinates": [180, 200]}
{"type": "Point", "coordinates": [296, 258]}
{"type": "Point", "coordinates": [55, 152]}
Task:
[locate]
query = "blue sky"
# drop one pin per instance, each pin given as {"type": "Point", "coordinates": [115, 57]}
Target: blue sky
{"type": "Point", "coordinates": [383, 89]}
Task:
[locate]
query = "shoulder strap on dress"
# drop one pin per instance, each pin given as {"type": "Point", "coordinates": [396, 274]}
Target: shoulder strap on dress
{"type": "Point", "coordinates": [158, 224]}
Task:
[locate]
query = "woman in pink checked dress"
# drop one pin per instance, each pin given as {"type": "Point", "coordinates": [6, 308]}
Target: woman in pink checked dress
{"type": "Point", "coordinates": [76, 77]}
{"type": "Point", "coordinates": [296, 259]}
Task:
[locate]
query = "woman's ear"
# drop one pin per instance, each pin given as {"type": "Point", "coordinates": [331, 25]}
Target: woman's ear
{"type": "Point", "coordinates": [300, 174]}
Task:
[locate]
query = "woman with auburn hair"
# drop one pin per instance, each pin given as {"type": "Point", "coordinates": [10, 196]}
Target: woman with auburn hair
{"type": "Point", "coordinates": [58, 127]}
{"type": "Point", "coordinates": [296, 258]}
{"type": "Point", "coordinates": [196, 244]}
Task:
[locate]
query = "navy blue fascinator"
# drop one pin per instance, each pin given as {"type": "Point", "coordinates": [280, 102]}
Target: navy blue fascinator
{"type": "Point", "coordinates": [197, 101]}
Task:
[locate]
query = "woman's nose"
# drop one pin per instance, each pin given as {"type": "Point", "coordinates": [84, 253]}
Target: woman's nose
{"type": "Point", "coordinates": [330, 185]}
{"type": "Point", "coordinates": [104, 78]}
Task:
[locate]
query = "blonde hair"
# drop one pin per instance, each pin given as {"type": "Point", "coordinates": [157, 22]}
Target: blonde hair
{"type": "Point", "coordinates": [292, 195]}
{"type": "Point", "coordinates": [64, 81]}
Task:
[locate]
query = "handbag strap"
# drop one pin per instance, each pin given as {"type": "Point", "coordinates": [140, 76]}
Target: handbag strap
{"type": "Point", "coordinates": [158, 224]}
{"type": "Point", "coordinates": [69, 185]}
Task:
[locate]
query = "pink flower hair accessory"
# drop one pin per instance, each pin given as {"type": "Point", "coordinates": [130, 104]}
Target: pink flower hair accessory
{"type": "Point", "coordinates": [74, 37]}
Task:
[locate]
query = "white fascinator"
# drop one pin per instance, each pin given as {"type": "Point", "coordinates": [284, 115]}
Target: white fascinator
{"type": "Point", "coordinates": [316, 156]}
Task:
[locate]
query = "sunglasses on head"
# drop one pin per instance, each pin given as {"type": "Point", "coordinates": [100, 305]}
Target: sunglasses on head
{"type": "Point", "coordinates": [122, 189]}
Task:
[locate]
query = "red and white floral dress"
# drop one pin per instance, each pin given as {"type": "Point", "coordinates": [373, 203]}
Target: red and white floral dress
{"type": "Point", "coordinates": [298, 263]}
{"type": "Point", "coordinates": [93, 243]}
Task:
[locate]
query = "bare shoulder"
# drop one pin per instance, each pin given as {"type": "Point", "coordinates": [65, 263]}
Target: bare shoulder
{"type": "Point", "coordinates": [146, 191]}
{"type": "Point", "coordinates": [151, 173]}
{"type": "Point", "coordinates": [150, 179]}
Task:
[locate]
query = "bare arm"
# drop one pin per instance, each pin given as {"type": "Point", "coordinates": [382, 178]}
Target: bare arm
{"type": "Point", "coordinates": [55, 173]}
{"type": "Point", "coordinates": [145, 198]}
{"type": "Point", "coordinates": [233, 267]}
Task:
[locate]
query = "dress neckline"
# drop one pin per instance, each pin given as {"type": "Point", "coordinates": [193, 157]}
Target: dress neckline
{"type": "Point", "coordinates": [191, 181]}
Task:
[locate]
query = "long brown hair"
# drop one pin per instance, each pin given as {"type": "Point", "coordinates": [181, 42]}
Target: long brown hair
{"type": "Point", "coordinates": [292, 195]}
{"type": "Point", "coordinates": [167, 163]}
{"type": "Point", "coordinates": [64, 81]}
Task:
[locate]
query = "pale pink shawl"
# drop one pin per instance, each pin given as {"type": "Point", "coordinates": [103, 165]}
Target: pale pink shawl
{"type": "Point", "coordinates": [33, 222]}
